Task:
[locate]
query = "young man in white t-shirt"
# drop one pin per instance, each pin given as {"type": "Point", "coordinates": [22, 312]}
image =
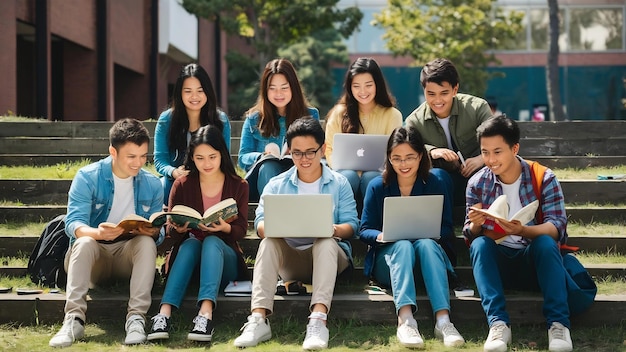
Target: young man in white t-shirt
{"type": "Point", "coordinates": [106, 192]}
{"type": "Point", "coordinates": [316, 260]}
{"type": "Point", "coordinates": [529, 256]}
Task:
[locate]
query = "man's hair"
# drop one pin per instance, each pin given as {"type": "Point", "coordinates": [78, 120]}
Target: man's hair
{"type": "Point", "coordinates": [305, 126]}
{"type": "Point", "coordinates": [438, 71]}
{"type": "Point", "coordinates": [499, 126]}
{"type": "Point", "coordinates": [128, 130]}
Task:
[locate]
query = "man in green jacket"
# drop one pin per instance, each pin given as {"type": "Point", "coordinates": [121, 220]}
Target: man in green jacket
{"type": "Point", "coordinates": [447, 121]}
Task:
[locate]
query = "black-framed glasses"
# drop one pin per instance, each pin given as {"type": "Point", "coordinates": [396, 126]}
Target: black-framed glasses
{"type": "Point", "coordinates": [309, 154]}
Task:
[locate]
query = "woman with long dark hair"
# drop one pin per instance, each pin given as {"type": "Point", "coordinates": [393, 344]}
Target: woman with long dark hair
{"type": "Point", "coordinates": [194, 105]}
{"type": "Point", "coordinates": [366, 107]}
{"type": "Point", "coordinates": [408, 173]}
{"type": "Point", "coordinates": [211, 250]}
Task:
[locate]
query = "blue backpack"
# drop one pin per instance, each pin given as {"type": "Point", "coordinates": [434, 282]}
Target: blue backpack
{"type": "Point", "coordinates": [45, 266]}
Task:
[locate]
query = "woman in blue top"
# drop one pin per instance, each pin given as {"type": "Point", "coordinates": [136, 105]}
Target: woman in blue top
{"type": "Point", "coordinates": [194, 105]}
{"type": "Point", "coordinates": [280, 102]}
{"type": "Point", "coordinates": [408, 173]}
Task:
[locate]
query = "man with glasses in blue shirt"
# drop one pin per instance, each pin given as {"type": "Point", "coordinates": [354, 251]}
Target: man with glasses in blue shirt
{"type": "Point", "coordinates": [302, 258]}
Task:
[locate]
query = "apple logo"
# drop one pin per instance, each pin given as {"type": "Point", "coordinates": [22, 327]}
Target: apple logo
{"type": "Point", "coordinates": [360, 152]}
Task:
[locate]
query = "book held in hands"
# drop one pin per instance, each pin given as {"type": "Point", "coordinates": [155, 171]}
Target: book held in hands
{"type": "Point", "coordinates": [499, 210]}
{"type": "Point", "coordinates": [180, 214]}
{"type": "Point", "coordinates": [227, 210]}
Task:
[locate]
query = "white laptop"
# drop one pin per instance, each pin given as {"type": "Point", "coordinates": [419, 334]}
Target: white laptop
{"type": "Point", "coordinates": [298, 215]}
{"type": "Point", "coordinates": [363, 152]}
{"type": "Point", "coordinates": [411, 218]}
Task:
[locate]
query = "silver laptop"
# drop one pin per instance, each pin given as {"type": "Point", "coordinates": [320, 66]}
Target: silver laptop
{"type": "Point", "coordinates": [364, 152]}
{"type": "Point", "coordinates": [298, 215]}
{"type": "Point", "coordinates": [411, 218]}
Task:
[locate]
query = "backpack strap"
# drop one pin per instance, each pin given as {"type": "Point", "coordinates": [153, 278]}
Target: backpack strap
{"type": "Point", "coordinates": [537, 171]}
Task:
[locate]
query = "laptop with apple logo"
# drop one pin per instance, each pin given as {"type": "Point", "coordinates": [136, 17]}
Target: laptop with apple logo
{"type": "Point", "coordinates": [362, 152]}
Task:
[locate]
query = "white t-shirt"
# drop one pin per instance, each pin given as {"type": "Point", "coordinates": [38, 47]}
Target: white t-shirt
{"type": "Point", "coordinates": [123, 199]}
{"type": "Point", "coordinates": [304, 188]}
{"type": "Point", "coordinates": [445, 123]}
{"type": "Point", "coordinates": [515, 204]}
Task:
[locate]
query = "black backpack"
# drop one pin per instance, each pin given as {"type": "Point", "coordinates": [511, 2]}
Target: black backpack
{"type": "Point", "coordinates": [45, 265]}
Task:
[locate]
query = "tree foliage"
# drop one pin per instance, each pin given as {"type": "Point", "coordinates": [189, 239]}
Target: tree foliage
{"type": "Point", "coordinates": [312, 56]}
{"type": "Point", "coordinates": [464, 31]}
{"type": "Point", "coordinates": [271, 25]}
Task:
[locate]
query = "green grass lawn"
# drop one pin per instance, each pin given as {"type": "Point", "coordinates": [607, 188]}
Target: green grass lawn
{"type": "Point", "coordinates": [289, 334]}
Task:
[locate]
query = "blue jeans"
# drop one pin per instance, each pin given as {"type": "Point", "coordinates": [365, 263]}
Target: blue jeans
{"type": "Point", "coordinates": [269, 169]}
{"type": "Point", "coordinates": [539, 265]}
{"type": "Point", "coordinates": [400, 264]}
{"type": "Point", "coordinates": [218, 266]}
{"type": "Point", "coordinates": [359, 183]}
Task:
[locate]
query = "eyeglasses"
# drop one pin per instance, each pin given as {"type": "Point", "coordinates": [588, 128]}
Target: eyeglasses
{"type": "Point", "coordinates": [309, 154]}
{"type": "Point", "coordinates": [408, 160]}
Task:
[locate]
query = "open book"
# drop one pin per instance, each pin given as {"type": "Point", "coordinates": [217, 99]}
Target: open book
{"type": "Point", "coordinates": [226, 209]}
{"type": "Point", "coordinates": [180, 214]}
{"type": "Point", "coordinates": [133, 221]}
{"type": "Point", "coordinates": [272, 152]}
{"type": "Point", "coordinates": [499, 209]}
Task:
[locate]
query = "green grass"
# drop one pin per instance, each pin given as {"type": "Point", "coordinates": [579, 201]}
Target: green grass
{"type": "Point", "coordinates": [13, 118]}
{"type": "Point", "coordinates": [288, 335]}
{"type": "Point", "coordinates": [589, 173]}
{"type": "Point", "coordinates": [60, 171]}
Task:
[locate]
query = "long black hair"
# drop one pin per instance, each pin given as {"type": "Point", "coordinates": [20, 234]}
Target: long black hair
{"type": "Point", "coordinates": [350, 122]}
{"type": "Point", "coordinates": [212, 136]}
{"type": "Point", "coordinates": [209, 114]}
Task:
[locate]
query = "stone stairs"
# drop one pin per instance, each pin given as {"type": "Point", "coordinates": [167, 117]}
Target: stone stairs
{"type": "Point", "coordinates": [557, 145]}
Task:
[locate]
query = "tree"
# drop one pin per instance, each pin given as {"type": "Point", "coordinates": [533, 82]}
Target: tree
{"type": "Point", "coordinates": [464, 31]}
{"type": "Point", "coordinates": [270, 25]}
{"type": "Point", "coordinates": [312, 57]}
{"type": "Point", "coordinates": [552, 67]}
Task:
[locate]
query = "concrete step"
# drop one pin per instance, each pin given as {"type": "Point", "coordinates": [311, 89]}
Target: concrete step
{"type": "Point", "coordinates": [47, 308]}
{"type": "Point", "coordinates": [23, 245]}
{"type": "Point", "coordinates": [55, 191]}
{"type": "Point", "coordinates": [605, 214]}
{"type": "Point", "coordinates": [464, 272]}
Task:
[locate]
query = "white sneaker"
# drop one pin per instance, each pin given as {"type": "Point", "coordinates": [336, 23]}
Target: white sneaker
{"type": "Point", "coordinates": [499, 338]}
{"type": "Point", "coordinates": [256, 329]}
{"type": "Point", "coordinates": [135, 330]}
{"type": "Point", "coordinates": [449, 335]}
{"type": "Point", "coordinates": [71, 330]}
{"type": "Point", "coordinates": [408, 335]}
{"type": "Point", "coordinates": [316, 335]}
{"type": "Point", "coordinates": [559, 338]}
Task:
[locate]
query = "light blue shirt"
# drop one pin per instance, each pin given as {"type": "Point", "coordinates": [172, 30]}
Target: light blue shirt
{"type": "Point", "coordinates": [333, 183]}
{"type": "Point", "coordinates": [253, 143]}
{"type": "Point", "coordinates": [91, 196]}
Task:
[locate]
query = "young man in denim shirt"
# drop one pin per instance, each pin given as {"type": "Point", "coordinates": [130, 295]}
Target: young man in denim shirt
{"type": "Point", "coordinates": [317, 258]}
{"type": "Point", "coordinates": [509, 254]}
{"type": "Point", "coordinates": [108, 191]}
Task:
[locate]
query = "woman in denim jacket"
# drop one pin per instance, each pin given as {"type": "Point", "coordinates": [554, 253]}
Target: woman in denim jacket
{"type": "Point", "coordinates": [280, 102]}
{"type": "Point", "coordinates": [194, 105]}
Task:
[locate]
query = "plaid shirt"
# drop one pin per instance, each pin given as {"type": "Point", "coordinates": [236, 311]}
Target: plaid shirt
{"type": "Point", "coordinates": [484, 187]}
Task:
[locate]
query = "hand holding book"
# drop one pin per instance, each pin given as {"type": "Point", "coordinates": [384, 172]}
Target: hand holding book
{"type": "Point", "coordinates": [499, 212]}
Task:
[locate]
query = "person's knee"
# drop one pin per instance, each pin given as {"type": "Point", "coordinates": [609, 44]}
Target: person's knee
{"type": "Point", "coordinates": [84, 245]}
{"type": "Point", "coordinates": [325, 245]}
{"type": "Point", "coordinates": [269, 246]}
{"type": "Point", "coordinates": [480, 245]}
{"type": "Point", "coordinates": [543, 244]}
{"type": "Point", "coordinates": [425, 245]}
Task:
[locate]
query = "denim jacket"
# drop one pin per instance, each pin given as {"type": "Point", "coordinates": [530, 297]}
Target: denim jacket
{"type": "Point", "coordinates": [167, 160]}
{"type": "Point", "coordinates": [91, 196]}
{"type": "Point", "coordinates": [344, 210]}
{"type": "Point", "coordinates": [253, 143]}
